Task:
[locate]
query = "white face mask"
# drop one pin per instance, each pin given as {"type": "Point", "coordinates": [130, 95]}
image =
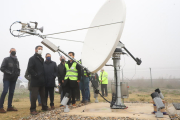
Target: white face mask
{"type": "Point", "coordinates": [39, 52]}
{"type": "Point", "coordinates": [69, 59]}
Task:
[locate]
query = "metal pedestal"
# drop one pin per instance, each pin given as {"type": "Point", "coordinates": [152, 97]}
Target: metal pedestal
{"type": "Point", "coordinates": [116, 63]}
{"type": "Point", "coordinates": [159, 114]}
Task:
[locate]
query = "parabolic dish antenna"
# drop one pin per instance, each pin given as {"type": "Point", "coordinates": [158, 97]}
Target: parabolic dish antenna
{"type": "Point", "coordinates": [100, 42]}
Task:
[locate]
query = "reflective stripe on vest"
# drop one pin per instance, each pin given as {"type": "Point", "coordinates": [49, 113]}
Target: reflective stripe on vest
{"type": "Point", "coordinates": [85, 73]}
{"type": "Point", "coordinates": [71, 73]}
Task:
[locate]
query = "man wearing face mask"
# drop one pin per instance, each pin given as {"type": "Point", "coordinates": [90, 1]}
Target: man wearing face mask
{"type": "Point", "coordinates": [36, 70]}
{"type": "Point", "coordinates": [50, 69]}
{"type": "Point", "coordinates": [72, 75]}
{"type": "Point", "coordinates": [11, 70]}
{"type": "Point", "coordinates": [60, 75]}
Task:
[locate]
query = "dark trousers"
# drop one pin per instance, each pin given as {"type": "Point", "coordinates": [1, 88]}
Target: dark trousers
{"type": "Point", "coordinates": [49, 90]}
{"type": "Point", "coordinates": [39, 98]}
{"type": "Point", "coordinates": [61, 89]}
{"type": "Point", "coordinates": [104, 88]}
{"type": "Point", "coordinates": [77, 93]}
{"type": "Point", "coordinates": [34, 95]}
{"type": "Point", "coordinates": [11, 86]}
{"type": "Point", "coordinates": [72, 92]}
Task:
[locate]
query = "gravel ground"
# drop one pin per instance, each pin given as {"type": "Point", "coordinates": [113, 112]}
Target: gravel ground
{"type": "Point", "coordinates": [56, 115]}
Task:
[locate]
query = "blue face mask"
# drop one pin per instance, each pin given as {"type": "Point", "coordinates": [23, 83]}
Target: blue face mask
{"type": "Point", "coordinates": [48, 58]}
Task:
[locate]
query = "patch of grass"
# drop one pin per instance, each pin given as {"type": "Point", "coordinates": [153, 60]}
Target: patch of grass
{"type": "Point", "coordinates": [143, 90]}
{"type": "Point", "coordinates": [142, 95]}
{"type": "Point", "coordinates": [16, 100]}
{"type": "Point", "coordinates": [142, 99]}
{"type": "Point", "coordinates": [169, 86]}
{"type": "Point", "coordinates": [132, 99]}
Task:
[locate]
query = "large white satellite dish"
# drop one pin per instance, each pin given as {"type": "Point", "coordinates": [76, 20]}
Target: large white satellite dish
{"type": "Point", "coordinates": [101, 42]}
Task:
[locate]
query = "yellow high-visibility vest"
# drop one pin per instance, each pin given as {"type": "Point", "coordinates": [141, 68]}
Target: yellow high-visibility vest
{"type": "Point", "coordinates": [71, 73]}
{"type": "Point", "coordinates": [104, 77]}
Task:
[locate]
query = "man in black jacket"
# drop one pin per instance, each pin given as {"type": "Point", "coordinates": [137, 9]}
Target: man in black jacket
{"type": "Point", "coordinates": [60, 75]}
{"type": "Point", "coordinates": [36, 69]}
{"type": "Point", "coordinates": [10, 68]}
{"type": "Point", "coordinates": [72, 75]}
{"type": "Point", "coordinates": [50, 69]}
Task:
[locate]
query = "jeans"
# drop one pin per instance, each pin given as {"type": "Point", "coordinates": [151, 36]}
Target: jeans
{"type": "Point", "coordinates": [11, 86]}
{"type": "Point", "coordinates": [84, 87]}
{"type": "Point", "coordinates": [39, 98]}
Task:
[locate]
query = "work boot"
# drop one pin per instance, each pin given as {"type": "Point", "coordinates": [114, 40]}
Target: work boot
{"type": "Point", "coordinates": [82, 101]}
{"type": "Point", "coordinates": [2, 110]}
{"type": "Point", "coordinates": [74, 105]}
{"type": "Point", "coordinates": [52, 107]}
{"type": "Point", "coordinates": [12, 109]}
{"type": "Point", "coordinates": [34, 113]}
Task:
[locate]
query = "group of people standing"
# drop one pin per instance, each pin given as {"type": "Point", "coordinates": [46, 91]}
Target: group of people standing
{"type": "Point", "coordinates": [41, 75]}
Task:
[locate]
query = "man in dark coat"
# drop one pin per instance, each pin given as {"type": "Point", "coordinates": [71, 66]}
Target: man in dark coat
{"type": "Point", "coordinates": [60, 75]}
{"type": "Point", "coordinates": [36, 69]}
{"type": "Point", "coordinates": [50, 69]}
{"type": "Point", "coordinates": [72, 75]}
{"type": "Point", "coordinates": [11, 70]}
{"type": "Point", "coordinates": [28, 77]}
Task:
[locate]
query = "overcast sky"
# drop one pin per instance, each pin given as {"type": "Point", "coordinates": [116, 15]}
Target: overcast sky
{"type": "Point", "coordinates": [151, 32]}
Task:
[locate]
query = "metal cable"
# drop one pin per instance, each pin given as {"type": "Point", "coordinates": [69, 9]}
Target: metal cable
{"type": "Point", "coordinates": [65, 39]}
{"type": "Point", "coordinates": [84, 28]}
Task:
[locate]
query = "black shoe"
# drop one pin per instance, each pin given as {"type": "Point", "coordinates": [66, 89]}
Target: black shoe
{"type": "Point", "coordinates": [34, 113]}
{"type": "Point", "coordinates": [82, 101]}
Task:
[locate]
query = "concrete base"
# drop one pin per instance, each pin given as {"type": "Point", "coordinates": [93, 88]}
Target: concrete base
{"type": "Point", "coordinates": [134, 110]}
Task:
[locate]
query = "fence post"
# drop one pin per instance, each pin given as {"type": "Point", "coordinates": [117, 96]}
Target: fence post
{"type": "Point", "coordinates": [151, 77]}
